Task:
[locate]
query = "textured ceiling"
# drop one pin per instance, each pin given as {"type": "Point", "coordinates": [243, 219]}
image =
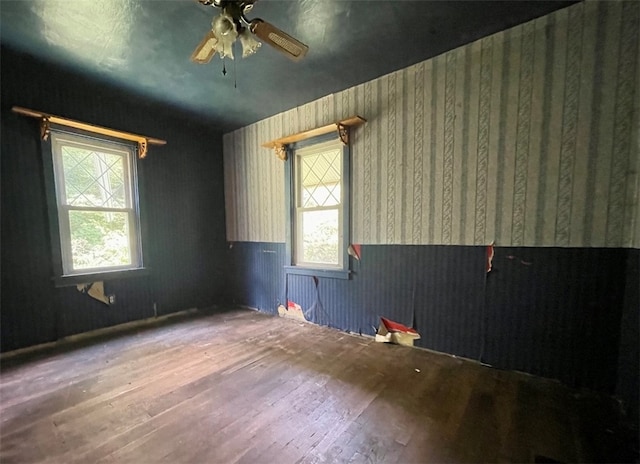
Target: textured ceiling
{"type": "Point", "coordinates": [145, 45]}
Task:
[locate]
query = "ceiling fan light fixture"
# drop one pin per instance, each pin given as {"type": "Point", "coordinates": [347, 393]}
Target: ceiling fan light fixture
{"type": "Point", "coordinates": [249, 44]}
{"type": "Point", "coordinates": [223, 25]}
{"type": "Point", "coordinates": [224, 29]}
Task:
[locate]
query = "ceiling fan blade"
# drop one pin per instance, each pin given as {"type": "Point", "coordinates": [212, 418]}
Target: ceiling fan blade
{"type": "Point", "coordinates": [278, 39]}
{"type": "Point", "coordinates": [205, 49]}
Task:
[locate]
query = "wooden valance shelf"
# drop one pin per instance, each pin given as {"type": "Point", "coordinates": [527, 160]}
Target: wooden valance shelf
{"type": "Point", "coordinates": [47, 119]}
{"type": "Point", "coordinates": [341, 127]}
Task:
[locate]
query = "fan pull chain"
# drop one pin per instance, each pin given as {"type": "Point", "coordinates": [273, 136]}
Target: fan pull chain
{"type": "Point", "coordinates": [235, 75]}
{"type": "Point", "coordinates": [224, 61]}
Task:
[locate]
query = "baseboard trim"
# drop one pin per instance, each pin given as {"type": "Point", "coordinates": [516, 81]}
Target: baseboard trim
{"type": "Point", "coordinates": [94, 334]}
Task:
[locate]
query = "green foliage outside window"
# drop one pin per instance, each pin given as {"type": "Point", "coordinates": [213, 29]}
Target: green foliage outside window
{"type": "Point", "coordinates": [93, 179]}
{"type": "Point", "coordinates": [99, 239]}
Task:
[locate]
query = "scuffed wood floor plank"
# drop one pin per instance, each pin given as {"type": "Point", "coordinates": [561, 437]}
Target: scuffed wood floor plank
{"type": "Point", "coordinates": [240, 386]}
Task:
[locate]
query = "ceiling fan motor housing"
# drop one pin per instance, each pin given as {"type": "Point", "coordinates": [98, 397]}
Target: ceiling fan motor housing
{"type": "Point", "coordinates": [232, 23]}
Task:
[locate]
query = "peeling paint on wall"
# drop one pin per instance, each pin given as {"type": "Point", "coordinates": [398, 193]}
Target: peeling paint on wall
{"type": "Point", "coordinates": [394, 332]}
{"type": "Point", "coordinates": [354, 250]}
{"type": "Point", "coordinates": [490, 254]}
{"type": "Point", "coordinates": [292, 311]}
{"type": "Point", "coordinates": [95, 290]}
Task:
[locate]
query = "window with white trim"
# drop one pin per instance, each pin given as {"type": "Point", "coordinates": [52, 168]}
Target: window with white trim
{"type": "Point", "coordinates": [97, 203]}
{"type": "Point", "coordinates": [319, 236]}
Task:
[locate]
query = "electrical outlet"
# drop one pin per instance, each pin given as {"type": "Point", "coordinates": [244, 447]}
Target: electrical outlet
{"type": "Point", "coordinates": [112, 299]}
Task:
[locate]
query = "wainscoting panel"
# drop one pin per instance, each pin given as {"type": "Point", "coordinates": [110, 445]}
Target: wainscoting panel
{"type": "Point", "coordinates": [554, 312]}
{"type": "Point", "coordinates": [255, 275]}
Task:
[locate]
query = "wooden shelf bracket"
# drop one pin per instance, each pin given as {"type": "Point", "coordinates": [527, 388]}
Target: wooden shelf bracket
{"type": "Point", "coordinates": [280, 151]}
{"type": "Point", "coordinates": [45, 128]}
{"type": "Point", "coordinates": [343, 133]}
{"type": "Point", "coordinates": [47, 119]}
{"type": "Point", "coordinates": [342, 127]}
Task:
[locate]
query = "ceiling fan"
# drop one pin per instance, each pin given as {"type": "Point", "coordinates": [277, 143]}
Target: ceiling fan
{"type": "Point", "coordinates": [231, 24]}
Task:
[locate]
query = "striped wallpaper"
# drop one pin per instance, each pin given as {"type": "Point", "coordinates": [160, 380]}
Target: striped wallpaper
{"type": "Point", "coordinates": [528, 137]}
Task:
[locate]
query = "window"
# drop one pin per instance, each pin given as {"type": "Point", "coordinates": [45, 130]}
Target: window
{"type": "Point", "coordinates": [96, 202]}
{"type": "Point", "coordinates": [319, 236]}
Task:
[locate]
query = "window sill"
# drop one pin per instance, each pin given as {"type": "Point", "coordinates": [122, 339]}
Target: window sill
{"type": "Point", "coordinates": [77, 279]}
{"type": "Point", "coordinates": [328, 273]}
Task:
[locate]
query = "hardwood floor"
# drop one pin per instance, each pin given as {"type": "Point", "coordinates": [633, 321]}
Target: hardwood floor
{"type": "Point", "coordinates": [241, 386]}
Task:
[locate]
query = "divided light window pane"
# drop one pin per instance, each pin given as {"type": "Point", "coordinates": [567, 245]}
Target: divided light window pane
{"type": "Point", "coordinates": [96, 211]}
{"type": "Point", "coordinates": [319, 205]}
{"type": "Point", "coordinates": [321, 175]}
{"type": "Point", "coordinates": [93, 178]}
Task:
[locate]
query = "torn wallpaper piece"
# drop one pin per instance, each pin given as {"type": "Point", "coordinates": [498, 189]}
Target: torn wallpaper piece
{"type": "Point", "coordinates": [292, 311]}
{"type": "Point", "coordinates": [394, 332]}
{"type": "Point", "coordinates": [354, 250]}
{"type": "Point", "coordinates": [95, 290]}
{"type": "Point", "coordinates": [490, 254]}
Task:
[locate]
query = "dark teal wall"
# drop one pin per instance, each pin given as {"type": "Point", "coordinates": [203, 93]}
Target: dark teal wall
{"type": "Point", "coordinates": [182, 203]}
{"type": "Point", "coordinates": [628, 386]}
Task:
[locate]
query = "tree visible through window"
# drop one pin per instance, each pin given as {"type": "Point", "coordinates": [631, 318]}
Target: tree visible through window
{"type": "Point", "coordinates": [97, 208]}
{"type": "Point", "coordinates": [319, 205]}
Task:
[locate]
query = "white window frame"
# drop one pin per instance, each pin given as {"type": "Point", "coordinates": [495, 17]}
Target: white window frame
{"type": "Point", "coordinates": [295, 265]}
{"type": "Point", "coordinates": [128, 151]}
